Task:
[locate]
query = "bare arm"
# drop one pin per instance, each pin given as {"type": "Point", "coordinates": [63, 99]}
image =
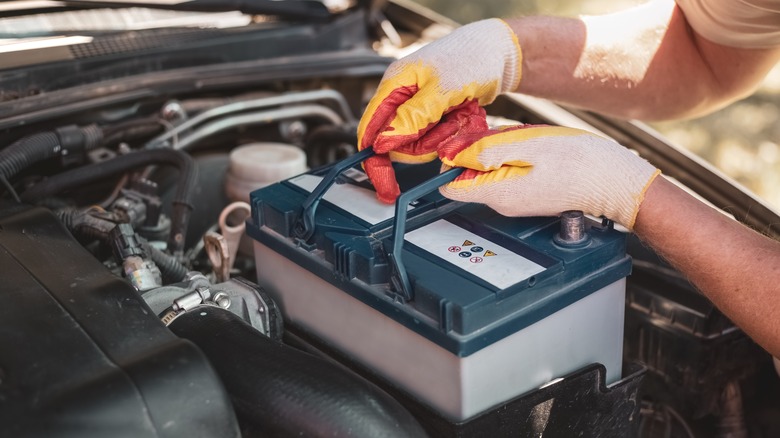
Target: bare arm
{"type": "Point", "coordinates": [737, 268]}
{"type": "Point", "coordinates": [644, 63]}
{"type": "Point", "coordinates": [647, 63]}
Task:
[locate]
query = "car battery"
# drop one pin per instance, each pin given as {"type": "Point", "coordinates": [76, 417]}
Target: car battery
{"type": "Point", "coordinates": [454, 304]}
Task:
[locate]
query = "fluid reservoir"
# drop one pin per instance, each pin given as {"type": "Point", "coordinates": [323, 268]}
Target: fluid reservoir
{"type": "Point", "coordinates": [257, 165]}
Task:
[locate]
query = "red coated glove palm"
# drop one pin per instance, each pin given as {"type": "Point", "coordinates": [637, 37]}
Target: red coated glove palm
{"type": "Point", "coordinates": [462, 120]}
{"type": "Point", "coordinates": [434, 94]}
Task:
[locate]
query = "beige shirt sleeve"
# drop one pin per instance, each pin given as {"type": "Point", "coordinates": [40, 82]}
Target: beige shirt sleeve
{"type": "Point", "coordinates": [750, 24]}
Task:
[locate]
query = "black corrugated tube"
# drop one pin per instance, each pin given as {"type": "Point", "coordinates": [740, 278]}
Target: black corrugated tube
{"type": "Point", "coordinates": [280, 391]}
{"type": "Point", "coordinates": [171, 269]}
{"type": "Point", "coordinates": [35, 148]}
{"type": "Point", "coordinates": [182, 201]}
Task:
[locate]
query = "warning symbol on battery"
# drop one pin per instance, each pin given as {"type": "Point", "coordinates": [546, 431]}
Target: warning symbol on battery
{"type": "Point", "coordinates": [467, 243]}
{"type": "Point", "coordinates": [489, 253]}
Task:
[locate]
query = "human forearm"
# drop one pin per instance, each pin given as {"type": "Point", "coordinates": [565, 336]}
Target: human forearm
{"type": "Point", "coordinates": [643, 63]}
{"type": "Point", "coordinates": [735, 267]}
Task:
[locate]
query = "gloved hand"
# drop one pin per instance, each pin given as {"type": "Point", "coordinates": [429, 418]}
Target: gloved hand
{"type": "Point", "coordinates": [459, 72]}
{"type": "Point", "coordinates": [545, 170]}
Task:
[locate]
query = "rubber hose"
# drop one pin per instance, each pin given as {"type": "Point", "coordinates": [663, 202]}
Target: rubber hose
{"type": "Point", "coordinates": [321, 142]}
{"type": "Point", "coordinates": [44, 145]}
{"type": "Point", "coordinates": [182, 201]}
{"type": "Point", "coordinates": [133, 130]}
{"type": "Point", "coordinates": [283, 392]}
{"type": "Point", "coordinates": [331, 134]}
{"type": "Point", "coordinates": [171, 269]}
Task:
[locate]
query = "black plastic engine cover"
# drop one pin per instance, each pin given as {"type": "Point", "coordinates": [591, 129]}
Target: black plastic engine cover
{"type": "Point", "coordinates": [81, 354]}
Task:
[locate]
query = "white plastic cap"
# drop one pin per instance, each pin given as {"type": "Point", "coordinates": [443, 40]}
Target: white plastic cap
{"type": "Point", "coordinates": [256, 165]}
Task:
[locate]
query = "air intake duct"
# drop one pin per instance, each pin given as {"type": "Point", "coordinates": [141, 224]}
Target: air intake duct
{"type": "Point", "coordinates": [283, 392]}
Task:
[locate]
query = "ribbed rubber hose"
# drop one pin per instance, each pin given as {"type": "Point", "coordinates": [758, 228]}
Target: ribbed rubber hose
{"type": "Point", "coordinates": [280, 391]}
{"type": "Point", "coordinates": [182, 201]}
{"type": "Point", "coordinates": [171, 269]}
{"type": "Point", "coordinates": [44, 145]}
{"type": "Point", "coordinates": [28, 151]}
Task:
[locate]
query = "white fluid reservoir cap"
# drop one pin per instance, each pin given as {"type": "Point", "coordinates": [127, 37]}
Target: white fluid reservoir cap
{"type": "Point", "coordinates": [256, 165]}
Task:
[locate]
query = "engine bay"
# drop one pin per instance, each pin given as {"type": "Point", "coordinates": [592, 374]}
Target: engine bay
{"type": "Point", "coordinates": [135, 305]}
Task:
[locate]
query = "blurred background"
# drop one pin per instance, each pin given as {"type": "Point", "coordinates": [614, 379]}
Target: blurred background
{"type": "Point", "coordinates": [741, 140]}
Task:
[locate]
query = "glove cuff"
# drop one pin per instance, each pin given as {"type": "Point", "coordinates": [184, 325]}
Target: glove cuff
{"type": "Point", "coordinates": [626, 180]}
{"type": "Point", "coordinates": [513, 68]}
{"type": "Point", "coordinates": [632, 207]}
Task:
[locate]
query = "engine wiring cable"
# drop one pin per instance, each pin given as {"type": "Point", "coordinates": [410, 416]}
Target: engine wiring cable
{"type": "Point", "coordinates": [676, 415]}
{"type": "Point", "coordinates": [115, 192]}
{"type": "Point", "coordinates": [9, 188]}
{"type": "Point", "coordinates": [664, 414]}
{"type": "Point", "coordinates": [182, 201]}
{"type": "Point", "coordinates": [82, 222]}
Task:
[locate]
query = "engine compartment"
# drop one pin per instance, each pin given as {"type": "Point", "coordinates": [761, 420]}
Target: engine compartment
{"type": "Point", "coordinates": [119, 216]}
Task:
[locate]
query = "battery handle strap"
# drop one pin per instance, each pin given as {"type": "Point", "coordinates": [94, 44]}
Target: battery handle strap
{"type": "Point", "coordinates": [304, 225]}
{"type": "Point", "coordinates": [399, 279]}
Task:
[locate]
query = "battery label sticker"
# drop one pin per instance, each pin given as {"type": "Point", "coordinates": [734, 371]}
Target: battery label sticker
{"type": "Point", "coordinates": [491, 262]}
{"type": "Point", "coordinates": [356, 200]}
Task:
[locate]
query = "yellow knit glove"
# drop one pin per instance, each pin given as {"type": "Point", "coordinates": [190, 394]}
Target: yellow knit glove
{"type": "Point", "coordinates": [545, 170]}
{"type": "Point", "coordinates": [457, 73]}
